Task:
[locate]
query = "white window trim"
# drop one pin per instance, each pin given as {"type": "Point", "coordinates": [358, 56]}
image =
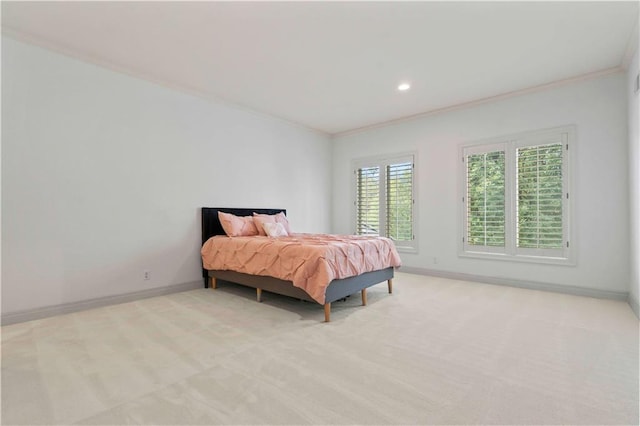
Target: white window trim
{"type": "Point", "coordinates": [510, 143]}
{"type": "Point", "coordinates": [382, 160]}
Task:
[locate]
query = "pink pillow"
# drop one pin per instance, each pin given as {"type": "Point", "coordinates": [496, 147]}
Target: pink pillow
{"type": "Point", "coordinates": [261, 219]}
{"type": "Point", "coordinates": [237, 226]}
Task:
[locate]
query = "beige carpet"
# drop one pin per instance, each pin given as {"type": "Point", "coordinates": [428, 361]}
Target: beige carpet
{"type": "Point", "coordinates": [437, 351]}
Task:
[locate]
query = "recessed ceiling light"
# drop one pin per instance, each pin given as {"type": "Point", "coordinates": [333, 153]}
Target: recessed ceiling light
{"type": "Point", "coordinates": [404, 86]}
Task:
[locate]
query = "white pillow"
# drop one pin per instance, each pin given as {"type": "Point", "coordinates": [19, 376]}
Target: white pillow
{"type": "Point", "coordinates": [274, 229]}
{"type": "Point", "coordinates": [259, 219]}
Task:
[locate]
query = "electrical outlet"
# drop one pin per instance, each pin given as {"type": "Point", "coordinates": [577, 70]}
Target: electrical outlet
{"type": "Point", "coordinates": [147, 275]}
{"type": "Point", "coordinates": [435, 260]}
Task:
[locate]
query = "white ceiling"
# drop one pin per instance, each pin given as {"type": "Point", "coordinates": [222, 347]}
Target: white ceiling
{"type": "Point", "coordinates": [335, 66]}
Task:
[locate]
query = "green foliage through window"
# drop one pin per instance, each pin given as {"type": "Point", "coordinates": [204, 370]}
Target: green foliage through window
{"type": "Point", "coordinates": [485, 199]}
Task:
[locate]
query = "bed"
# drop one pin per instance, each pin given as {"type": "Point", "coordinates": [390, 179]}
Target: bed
{"type": "Point", "coordinates": [336, 290]}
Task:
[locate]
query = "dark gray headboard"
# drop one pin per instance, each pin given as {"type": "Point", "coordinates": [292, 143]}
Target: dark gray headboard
{"type": "Point", "coordinates": [211, 224]}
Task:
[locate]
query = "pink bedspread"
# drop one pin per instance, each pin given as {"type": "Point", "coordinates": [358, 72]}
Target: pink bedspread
{"type": "Point", "coordinates": [310, 261]}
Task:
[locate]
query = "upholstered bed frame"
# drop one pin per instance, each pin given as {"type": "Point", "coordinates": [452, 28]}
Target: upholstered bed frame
{"type": "Point", "coordinates": [337, 289]}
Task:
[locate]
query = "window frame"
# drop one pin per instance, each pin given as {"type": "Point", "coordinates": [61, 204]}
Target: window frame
{"type": "Point", "coordinates": [406, 246]}
{"type": "Point", "coordinates": [566, 135]}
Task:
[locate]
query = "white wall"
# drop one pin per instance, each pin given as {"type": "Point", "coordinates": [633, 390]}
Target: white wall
{"type": "Point", "coordinates": [634, 182]}
{"type": "Point", "coordinates": [597, 107]}
{"type": "Point", "coordinates": [103, 176]}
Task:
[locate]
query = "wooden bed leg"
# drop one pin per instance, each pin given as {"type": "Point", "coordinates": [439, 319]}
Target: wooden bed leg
{"type": "Point", "coordinates": [390, 285]}
{"type": "Point", "coordinates": [212, 283]}
{"type": "Point", "coordinates": [259, 294]}
{"type": "Point", "coordinates": [364, 297]}
{"type": "Point", "coordinates": [327, 312]}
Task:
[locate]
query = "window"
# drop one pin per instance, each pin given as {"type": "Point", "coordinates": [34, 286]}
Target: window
{"type": "Point", "coordinates": [516, 197]}
{"type": "Point", "coordinates": [384, 199]}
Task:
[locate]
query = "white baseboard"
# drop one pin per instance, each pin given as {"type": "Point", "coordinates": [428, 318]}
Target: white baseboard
{"type": "Point", "coordinates": [48, 311]}
{"type": "Point", "coordinates": [67, 308]}
{"type": "Point", "coordinates": [635, 306]}
{"type": "Point", "coordinates": [532, 285]}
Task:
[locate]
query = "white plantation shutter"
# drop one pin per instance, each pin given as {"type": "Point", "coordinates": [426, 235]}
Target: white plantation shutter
{"type": "Point", "coordinates": [368, 201]}
{"type": "Point", "coordinates": [384, 199]}
{"type": "Point", "coordinates": [540, 193]}
{"type": "Point", "coordinates": [516, 197]}
{"type": "Point", "coordinates": [485, 199]}
{"type": "Point", "coordinates": [399, 212]}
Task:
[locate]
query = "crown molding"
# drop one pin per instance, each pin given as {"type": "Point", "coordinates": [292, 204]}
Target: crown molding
{"type": "Point", "coordinates": [113, 67]}
{"type": "Point", "coordinates": [632, 47]}
{"type": "Point", "coordinates": [470, 104]}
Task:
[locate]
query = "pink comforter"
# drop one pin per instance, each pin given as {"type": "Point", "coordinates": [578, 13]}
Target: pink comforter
{"type": "Point", "coordinates": [310, 261]}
